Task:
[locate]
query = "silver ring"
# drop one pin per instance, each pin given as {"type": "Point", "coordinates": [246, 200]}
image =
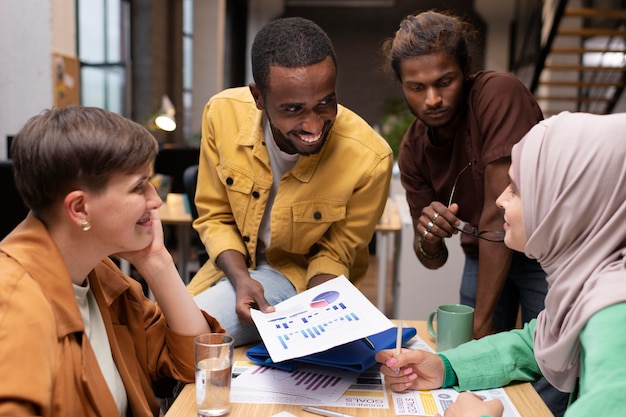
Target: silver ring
{"type": "Point", "coordinates": [424, 234]}
{"type": "Point", "coordinates": [430, 225]}
{"type": "Point", "coordinates": [435, 217]}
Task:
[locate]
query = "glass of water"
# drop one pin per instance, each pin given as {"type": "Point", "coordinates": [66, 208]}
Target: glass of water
{"type": "Point", "coordinates": [214, 362]}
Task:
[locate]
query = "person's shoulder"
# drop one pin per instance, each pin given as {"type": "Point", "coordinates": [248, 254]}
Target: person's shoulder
{"type": "Point", "coordinates": [18, 288]}
{"type": "Point", "coordinates": [231, 102]}
{"type": "Point", "coordinates": [496, 80]}
{"type": "Point", "coordinates": [238, 94]}
{"type": "Point", "coordinates": [349, 125]}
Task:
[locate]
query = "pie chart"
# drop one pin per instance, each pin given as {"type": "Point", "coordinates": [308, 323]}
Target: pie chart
{"type": "Point", "coordinates": [324, 299]}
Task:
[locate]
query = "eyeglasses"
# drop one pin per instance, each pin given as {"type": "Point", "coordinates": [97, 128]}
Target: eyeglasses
{"type": "Point", "coordinates": [465, 227]}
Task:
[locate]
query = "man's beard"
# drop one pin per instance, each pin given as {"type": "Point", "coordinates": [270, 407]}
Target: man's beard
{"type": "Point", "coordinates": [292, 148]}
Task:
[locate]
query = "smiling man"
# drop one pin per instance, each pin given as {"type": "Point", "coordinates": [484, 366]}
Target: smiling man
{"type": "Point", "coordinates": [291, 184]}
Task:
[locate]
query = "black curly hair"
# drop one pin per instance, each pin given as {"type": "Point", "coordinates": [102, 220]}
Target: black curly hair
{"type": "Point", "coordinates": [290, 42]}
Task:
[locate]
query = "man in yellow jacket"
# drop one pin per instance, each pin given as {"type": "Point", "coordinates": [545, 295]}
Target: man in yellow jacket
{"type": "Point", "coordinates": [290, 183]}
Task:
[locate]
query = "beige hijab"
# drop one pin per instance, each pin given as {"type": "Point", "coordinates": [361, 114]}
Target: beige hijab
{"type": "Point", "coordinates": [572, 181]}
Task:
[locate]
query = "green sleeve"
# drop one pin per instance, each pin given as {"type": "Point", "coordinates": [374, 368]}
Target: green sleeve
{"type": "Point", "coordinates": [603, 365]}
{"type": "Point", "coordinates": [494, 361]}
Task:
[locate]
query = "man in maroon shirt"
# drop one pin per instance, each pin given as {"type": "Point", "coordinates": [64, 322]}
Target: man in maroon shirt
{"type": "Point", "coordinates": [454, 162]}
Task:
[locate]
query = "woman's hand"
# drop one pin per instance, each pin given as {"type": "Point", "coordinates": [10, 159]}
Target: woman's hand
{"type": "Point", "coordinates": [153, 257]}
{"type": "Point", "coordinates": [411, 369]}
{"type": "Point", "coordinates": [471, 405]}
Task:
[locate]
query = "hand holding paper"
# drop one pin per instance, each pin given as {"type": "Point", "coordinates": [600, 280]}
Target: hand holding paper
{"type": "Point", "coordinates": [322, 317]}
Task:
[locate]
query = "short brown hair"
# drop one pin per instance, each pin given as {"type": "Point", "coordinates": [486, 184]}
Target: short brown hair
{"type": "Point", "coordinates": [76, 147]}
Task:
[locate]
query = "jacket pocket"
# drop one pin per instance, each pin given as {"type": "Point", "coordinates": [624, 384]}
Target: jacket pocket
{"type": "Point", "coordinates": [311, 220]}
{"type": "Point", "coordinates": [238, 186]}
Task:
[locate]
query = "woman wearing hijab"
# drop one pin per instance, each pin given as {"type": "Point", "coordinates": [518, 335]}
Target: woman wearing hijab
{"type": "Point", "coordinates": [77, 336]}
{"type": "Point", "coordinates": [566, 207]}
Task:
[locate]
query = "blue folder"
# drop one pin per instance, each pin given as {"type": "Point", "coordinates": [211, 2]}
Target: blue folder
{"type": "Point", "coordinates": [356, 356]}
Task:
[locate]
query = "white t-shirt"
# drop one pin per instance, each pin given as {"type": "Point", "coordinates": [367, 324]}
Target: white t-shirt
{"type": "Point", "coordinates": [96, 332]}
{"type": "Point", "coordinates": [281, 162]}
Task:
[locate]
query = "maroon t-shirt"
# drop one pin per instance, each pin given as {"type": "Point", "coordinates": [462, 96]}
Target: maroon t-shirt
{"type": "Point", "coordinates": [500, 111]}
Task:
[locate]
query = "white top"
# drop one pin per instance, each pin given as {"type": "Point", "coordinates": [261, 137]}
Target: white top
{"type": "Point", "coordinates": [281, 162]}
{"type": "Point", "coordinates": [96, 332]}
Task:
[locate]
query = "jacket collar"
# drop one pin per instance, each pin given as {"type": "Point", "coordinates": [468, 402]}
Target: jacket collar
{"type": "Point", "coordinates": [31, 246]}
{"type": "Point", "coordinates": [251, 135]}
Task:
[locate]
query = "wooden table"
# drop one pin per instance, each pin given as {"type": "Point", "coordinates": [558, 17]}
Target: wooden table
{"type": "Point", "coordinates": [523, 396]}
{"type": "Point", "coordinates": [175, 212]}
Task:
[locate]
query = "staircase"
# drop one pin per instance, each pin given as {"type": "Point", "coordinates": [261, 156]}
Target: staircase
{"type": "Point", "coordinates": [581, 64]}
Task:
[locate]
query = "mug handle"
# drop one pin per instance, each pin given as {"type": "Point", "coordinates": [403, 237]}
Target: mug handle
{"type": "Point", "coordinates": [431, 330]}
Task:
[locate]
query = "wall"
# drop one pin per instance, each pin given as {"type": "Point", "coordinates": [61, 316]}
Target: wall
{"type": "Point", "coordinates": [26, 43]}
{"type": "Point", "coordinates": [418, 290]}
{"type": "Point", "coordinates": [208, 55]}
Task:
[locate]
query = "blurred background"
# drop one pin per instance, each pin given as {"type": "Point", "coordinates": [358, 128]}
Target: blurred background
{"type": "Point", "coordinates": [126, 55]}
{"type": "Point", "coordinates": [161, 60]}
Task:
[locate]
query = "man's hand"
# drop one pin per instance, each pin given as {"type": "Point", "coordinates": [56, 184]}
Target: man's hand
{"type": "Point", "coordinates": [437, 219]}
{"type": "Point", "coordinates": [319, 279]}
{"type": "Point", "coordinates": [250, 294]}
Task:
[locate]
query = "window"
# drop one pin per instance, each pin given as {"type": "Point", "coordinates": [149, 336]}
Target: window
{"type": "Point", "coordinates": [103, 42]}
{"type": "Point", "coordinates": [187, 66]}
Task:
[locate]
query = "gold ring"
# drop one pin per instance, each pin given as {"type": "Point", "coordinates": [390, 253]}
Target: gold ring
{"type": "Point", "coordinates": [425, 233]}
{"type": "Point", "coordinates": [435, 217]}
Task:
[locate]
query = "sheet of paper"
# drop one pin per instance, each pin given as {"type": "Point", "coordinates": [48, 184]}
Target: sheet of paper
{"type": "Point", "coordinates": [428, 403]}
{"type": "Point", "coordinates": [418, 343]}
{"type": "Point", "coordinates": [284, 414]}
{"type": "Point", "coordinates": [325, 316]}
{"type": "Point", "coordinates": [368, 391]}
{"type": "Point", "coordinates": [437, 401]}
{"type": "Point", "coordinates": [306, 381]}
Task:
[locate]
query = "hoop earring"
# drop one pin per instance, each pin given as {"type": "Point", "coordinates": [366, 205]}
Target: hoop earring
{"type": "Point", "coordinates": [85, 225]}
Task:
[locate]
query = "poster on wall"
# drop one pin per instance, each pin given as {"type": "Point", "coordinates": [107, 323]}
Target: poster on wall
{"type": "Point", "coordinates": [65, 73]}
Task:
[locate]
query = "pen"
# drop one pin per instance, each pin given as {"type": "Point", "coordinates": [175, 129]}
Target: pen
{"type": "Point", "coordinates": [399, 342]}
{"type": "Point", "coordinates": [323, 412]}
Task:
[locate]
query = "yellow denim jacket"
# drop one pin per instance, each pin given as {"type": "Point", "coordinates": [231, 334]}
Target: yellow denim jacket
{"type": "Point", "coordinates": [325, 209]}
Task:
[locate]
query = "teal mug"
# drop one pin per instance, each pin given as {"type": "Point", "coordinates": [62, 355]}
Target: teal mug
{"type": "Point", "coordinates": [455, 325]}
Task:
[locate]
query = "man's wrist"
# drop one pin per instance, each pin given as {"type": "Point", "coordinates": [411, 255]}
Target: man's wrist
{"type": "Point", "coordinates": [431, 256]}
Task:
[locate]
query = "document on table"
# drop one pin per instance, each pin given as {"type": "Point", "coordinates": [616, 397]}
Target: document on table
{"type": "Point", "coordinates": [428, 403]}
{"type": "Point", "coordinates": [322, 317]}
{"type": "Point", "coordinates": [367, 391]}
{"type": "Point", "coordinates": [306, 381]}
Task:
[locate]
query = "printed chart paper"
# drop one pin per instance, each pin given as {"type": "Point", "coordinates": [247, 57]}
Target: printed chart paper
{"type": "Point", "coordinates": [307, 381]}
{"type": "Point", "coordinates": [427, 403]}
{"type": "Point", "coordinates": [322, 317]}
{"type": "Point", "coordinates": [368, 391]}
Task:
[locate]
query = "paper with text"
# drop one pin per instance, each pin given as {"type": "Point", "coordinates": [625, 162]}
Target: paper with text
{"type": "Point", "coordinates": [322, 317]}
{"type": "Point", "coordinates": [368, 391]}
